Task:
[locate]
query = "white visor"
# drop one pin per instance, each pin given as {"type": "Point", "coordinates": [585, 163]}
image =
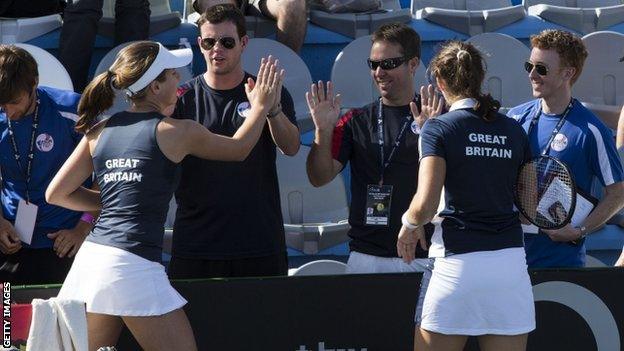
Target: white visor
{"type": "Point", "coordinates": [164, 60]}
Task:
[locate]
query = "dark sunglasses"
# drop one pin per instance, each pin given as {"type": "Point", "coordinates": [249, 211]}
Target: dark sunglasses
{"type": "Point", "coordinates": [539, 68]}
{"type": "Point", "coordinates": [387, 64]}
{"type": "Point", "coordinates": [226, 42]}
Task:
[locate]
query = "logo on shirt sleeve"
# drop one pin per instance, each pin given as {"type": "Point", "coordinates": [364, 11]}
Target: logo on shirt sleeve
{"type": "Point", "coordinates": [243, 109]}
{"type": "Point", "coordinates": [44, 142]}
{"type": "Point", "coordinates": [559, 143]}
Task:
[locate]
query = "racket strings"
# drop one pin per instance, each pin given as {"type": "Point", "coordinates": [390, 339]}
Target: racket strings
{"type": "Point", "coordinates": [544, 193]}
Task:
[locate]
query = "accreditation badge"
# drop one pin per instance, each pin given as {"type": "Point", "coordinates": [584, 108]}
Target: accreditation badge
{"type": "Point", "coordinates": [378, 199]}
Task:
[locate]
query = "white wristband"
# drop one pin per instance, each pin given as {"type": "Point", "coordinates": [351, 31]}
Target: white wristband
{"type": "Point", "coordinates": [407, 224]}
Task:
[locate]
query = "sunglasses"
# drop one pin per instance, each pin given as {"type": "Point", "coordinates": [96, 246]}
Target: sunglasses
{"type": "Point", "coordinates": [226, 42]}
{"type": "Point", "coordinates": [539, 68]}
{"type": "Point", "coordinates": [387, 64]}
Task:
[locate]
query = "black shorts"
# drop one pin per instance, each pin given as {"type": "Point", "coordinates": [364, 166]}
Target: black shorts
{"type": "Point", "coordinates": [34, 266]}
{"type": "Point", "coordinates": [266, 266]}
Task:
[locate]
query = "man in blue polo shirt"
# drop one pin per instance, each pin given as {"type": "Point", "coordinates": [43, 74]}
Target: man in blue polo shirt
{"type": "Point", "coordinates": [36, 137]}
{"type": "Point", "coordinates": [583, 143]}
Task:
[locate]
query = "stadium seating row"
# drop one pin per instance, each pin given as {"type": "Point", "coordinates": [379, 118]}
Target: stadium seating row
{"type": "Point", "coordinates": [469, 17]}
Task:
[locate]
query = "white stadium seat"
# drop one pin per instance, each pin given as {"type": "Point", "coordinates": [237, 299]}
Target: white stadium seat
{"type": "Point", "coordinates": [352, 76]}
{"type": "Point", "coordinates": [319, 267]}
{"type": "Point", "coordinates": [161, 18]}
{"type": "Point", "coordinates": [602, 79]}
{"type": "Point", "coordinates": [314, 218]}
{"type": "Point", "coordinates": [505, 78]}
{"type": "Point", "coordinates": [297, 80]}
{"type": "Point", "coordinates": [19, 30]}
{"type": "Point", "coordinates": [468, 16]}
{"type": "Point", "coordinates": [582, 16]}
{"type": "Point", "coordinates": [51, 71]}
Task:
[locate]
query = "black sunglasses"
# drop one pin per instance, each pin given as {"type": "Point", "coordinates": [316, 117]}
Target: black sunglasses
{"type": "Point", "coordinates": [387, 64]}
{"type": "Point", "coordinates": [541, 69]}
{"type": "Point", "coordinates": [226, 42]}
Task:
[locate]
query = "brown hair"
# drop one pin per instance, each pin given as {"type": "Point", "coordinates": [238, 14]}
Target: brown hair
{"type": "Point", "coordinates": [460, 65]}
{"type": "Point", "coordinates": [131, 63]}
{"type": "Point", "coordinates": [224, 13]}
{"type": "Point", "coordinates": [399, 33]}
{"type": "Point", "coordinates": [571, 50]}
{"type": "Point", "coordinates": [18, 73]}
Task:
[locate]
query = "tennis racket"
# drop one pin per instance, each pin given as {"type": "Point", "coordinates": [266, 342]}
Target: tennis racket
{"type": "Point", "coordinates": [545, 192]}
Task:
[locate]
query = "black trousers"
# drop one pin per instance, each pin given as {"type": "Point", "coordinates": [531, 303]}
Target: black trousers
{"type": "Point", "coordinates": [81, 17]}
{"type": "Point", "coordinates": [34, 266]}
{"type": "Point", "coordinates": [185, 268]}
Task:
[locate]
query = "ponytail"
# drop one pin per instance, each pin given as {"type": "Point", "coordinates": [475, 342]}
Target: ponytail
{"type": "Point", "coordinates": [487, 107]}
{"type": "Point", "coordinates": [97, 97]}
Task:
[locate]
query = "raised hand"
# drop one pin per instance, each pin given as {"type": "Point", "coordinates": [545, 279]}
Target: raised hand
{"type": "Point", "coordinates": [431, 105]}
{"type": "Point", "coordinates": [263, 92]}
{"type": "Point", "coordinates": [324, 106]}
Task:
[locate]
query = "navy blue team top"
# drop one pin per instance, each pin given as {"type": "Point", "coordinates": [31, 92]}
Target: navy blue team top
{"type": "Point", "coordinates": [55, 141]}
{"type": "Point", "coordinates": [136, 182]}
{"type": "Point", "coordinates": [482, 163]}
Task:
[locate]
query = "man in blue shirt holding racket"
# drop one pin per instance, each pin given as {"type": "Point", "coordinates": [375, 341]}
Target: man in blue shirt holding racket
{"type": "Point", "coordinates": [583, 143]}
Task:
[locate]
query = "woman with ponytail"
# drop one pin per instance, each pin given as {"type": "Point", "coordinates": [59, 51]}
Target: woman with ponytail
{"type": "Point", "coordinates": [134, 155]}
{"type": "Point", "coordinates": [476, 282]}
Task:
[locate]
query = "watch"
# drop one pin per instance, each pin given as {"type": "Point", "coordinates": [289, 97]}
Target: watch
{"type": "Point", "coordinates": [273, 114]}
{"type": "Point", "coordinates": [583, 230]}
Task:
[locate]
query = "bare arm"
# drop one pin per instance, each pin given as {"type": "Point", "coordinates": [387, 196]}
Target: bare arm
{"type": "Point", "coordinates": [431, 175]}
{"type": "Point", "coordinates": [285, 134]}
{"type": "Point", "coordinates": [325, 109]}
{"type": "Point", "coordinates": [66, 188]}
{"type": "Point", "coordinates": [606, 208]}
{"type": "Point", "coordinates": [178, 138]}
{"type": "Point", "coordinates": [619, 139]}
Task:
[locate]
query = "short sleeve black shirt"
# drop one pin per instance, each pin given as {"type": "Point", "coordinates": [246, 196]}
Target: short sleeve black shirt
{"type": "Point", "coordinates": [227, 210]}
{"type": "Point", "coordinates": [355, 141]}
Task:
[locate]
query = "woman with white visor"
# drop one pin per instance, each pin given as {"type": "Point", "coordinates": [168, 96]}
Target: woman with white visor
{"type": "Point", "coordinates": [134, 155]}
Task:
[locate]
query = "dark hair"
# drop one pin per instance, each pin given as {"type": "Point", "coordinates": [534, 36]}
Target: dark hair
{"type": "Point", "coordinates": [224, 13]}
{"type": "Point", "coordinates": [462, 68]}
{"type": "Point", "coordinates": [570, 47]}
{"type": "Point", "coordinates": [131, 63]}
{"type": "Point", "coordinates": [18, 73]}
{"type": "Point", "coordinates": [399, 33]}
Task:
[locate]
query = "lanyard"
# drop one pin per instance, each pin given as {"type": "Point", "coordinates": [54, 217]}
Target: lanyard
{"type": "Point", "coordinates": [557, 127]}
{"type": "Point", "coordinates": [380, 138]}
{"type": "Point", "coordinates": [31, 154]}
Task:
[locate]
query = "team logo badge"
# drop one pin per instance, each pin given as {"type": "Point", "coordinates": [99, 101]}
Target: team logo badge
{"type": "Point", "coordinates": [559, 143]}
{"type": "Point", "coordinates": [243, 109]}
{"type": "Point", "coordinates": [44, 142]}
{"type": "Point", "coordinates": [415, 128]}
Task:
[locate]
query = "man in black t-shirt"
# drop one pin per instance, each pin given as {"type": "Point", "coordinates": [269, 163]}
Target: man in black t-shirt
{"type": "Point", "coordinates": [386, 130]}
{"type": "Point", "coordinates": [229, 221]}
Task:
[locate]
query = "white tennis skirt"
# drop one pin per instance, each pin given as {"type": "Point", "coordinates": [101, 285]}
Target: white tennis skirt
{"type": "Point", "coordinates": [477, 293]}
{"type": "Point", "coordinates": [117, 282]}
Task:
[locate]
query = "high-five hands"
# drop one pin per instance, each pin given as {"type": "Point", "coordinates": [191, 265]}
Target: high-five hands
{"type": "Point", "coordinates": [267, 87]}
{"type": "Point", "coordinates": [431, 105]}
{"type": "Point", "coordinates": [324, 106]}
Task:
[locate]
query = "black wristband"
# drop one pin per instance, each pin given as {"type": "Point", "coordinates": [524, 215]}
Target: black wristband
{"type": "Point", "coordinates": [273, 114]}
